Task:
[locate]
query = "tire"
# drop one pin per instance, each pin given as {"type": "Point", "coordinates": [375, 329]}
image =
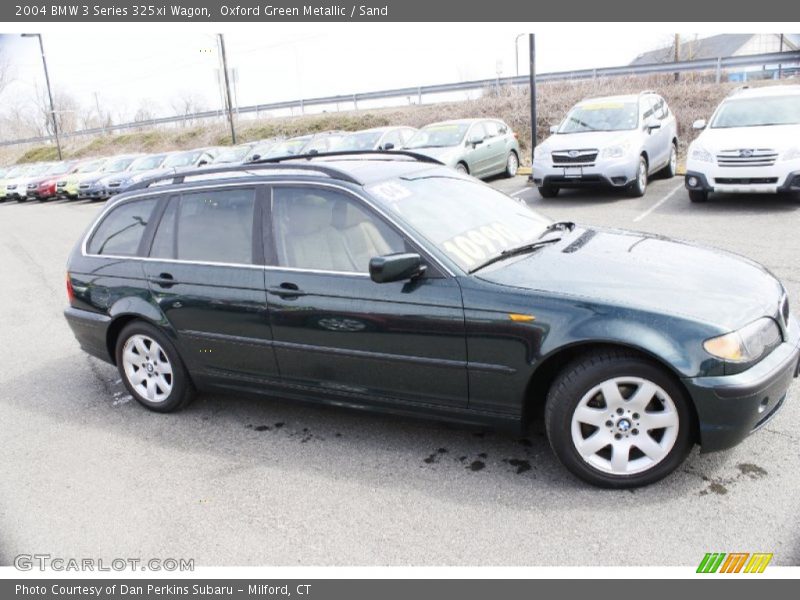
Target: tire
{"type": "Point", "coordinates": [512, 164]}
{"type": "Point", "coordinates": [548, 191]}
{"type": "Point", "coordinates": [160, 370]}
{"type": "Point", "coordinates": [698, 196]}
{"type": "Point", "coordinates": [638, 187]}
{"type": "Point", "coordinates": [671, 169]}
{"type": "Point", "coordinates": [578, 409]}
{"type": "Point", "coordinates": [462, 168]}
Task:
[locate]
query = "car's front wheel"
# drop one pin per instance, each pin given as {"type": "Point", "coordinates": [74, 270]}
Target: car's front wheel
{"type": "Point", "coordinates": [462, 168]}
{"type": "Point", "coordinates": [638, 187]}
{"type": "Point", "coordinates": [698, 195]}
{"type": "Point", "coordinates": [618, 421]}
{"type": "Point", "coordinates": [151, 368]}
{"type": "Point", "coordinates": [548, 191]}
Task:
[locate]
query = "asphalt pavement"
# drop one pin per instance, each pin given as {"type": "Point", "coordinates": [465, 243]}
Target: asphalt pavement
{"type": "Point", "coordinates": [87, 472]}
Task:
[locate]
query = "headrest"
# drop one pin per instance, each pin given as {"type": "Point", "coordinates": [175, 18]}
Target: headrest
{"type": "Point", "coordinates": [307, 214]}
{"type": "Point", "coordinates": [345, 215]}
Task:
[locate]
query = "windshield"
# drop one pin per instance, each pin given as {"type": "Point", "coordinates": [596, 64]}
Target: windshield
{"type": "Point", "coordinates": [15, 172]}
{"type": "Point", "coordinates": [438, 136]}
{"type": "Point", "coordinates": [467, 220]}
{"type": "Point", "coordinates": [366, 140]}
{"type": "Point", "coordinates": [286, 148]}
{"type": "Point", "coordinates": [39, 170]}
{"type": "Point", "coordinates": [118, 165]}
{"type": "Point", "coordinates": [601, 116]}
{"type": "Point", "coordinates": [231, 155]}
{"type": "Point", "coordinates": [91, 167]}
{"type": "Point", "coordinates": [184, 159]}
{"type": "Point", "coordinates": [147, 163]}
{"type": "Point", "coordinates": [758, 112]}
{"type": "Point", "coordinates": [58, 169]}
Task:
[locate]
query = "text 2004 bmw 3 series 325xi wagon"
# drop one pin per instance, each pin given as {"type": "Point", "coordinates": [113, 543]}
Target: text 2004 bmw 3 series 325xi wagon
{"type": "Point", "coordinates": [391, 282]}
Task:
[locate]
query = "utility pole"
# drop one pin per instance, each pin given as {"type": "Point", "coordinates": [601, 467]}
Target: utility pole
{"type": "Point", "coordinates": [677, 53]}
{"type": "Point", "coordinates": [49, 92]}
{"type": "Point", "coordinates": [532, 83]}
{"type": "Point", "coordinates": [780, 66]}
{"type": "Point", "coordinates": [227, 86]}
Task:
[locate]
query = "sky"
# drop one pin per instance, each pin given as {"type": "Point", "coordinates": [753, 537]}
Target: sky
{"type": "Point", "coordinates": [120, 67]}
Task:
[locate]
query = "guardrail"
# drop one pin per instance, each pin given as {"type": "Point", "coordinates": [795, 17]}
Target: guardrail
{"type": "Point", "coordinates": [708, 64]}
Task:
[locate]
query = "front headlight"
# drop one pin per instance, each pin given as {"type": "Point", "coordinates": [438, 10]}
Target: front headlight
{"type": "Point", "coordinates": [748, 344]}
{"type": "Point", "coordinates": [701, 154]}
{"type": "Point", "coordinates": [792, 154]}
{"type": "Point", "coordinates": [539, 152]}
{"type": "Point", "coordinates": [617, 151]}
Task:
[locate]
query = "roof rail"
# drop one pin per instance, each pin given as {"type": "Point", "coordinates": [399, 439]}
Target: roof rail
{"type": "Point", "coordinates": [385, 154]}
{"type": "Point", "coordinates": [643, 92]}
{"type": "Point", "coordinates": [180, 177]}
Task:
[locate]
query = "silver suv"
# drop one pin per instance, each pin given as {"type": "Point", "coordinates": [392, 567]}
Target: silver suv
{"type": "Point", "coordinates": [616, 141]}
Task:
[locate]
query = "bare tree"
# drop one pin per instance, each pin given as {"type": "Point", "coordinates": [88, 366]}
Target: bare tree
{"type": "Point", "coordinates": [187, 103]}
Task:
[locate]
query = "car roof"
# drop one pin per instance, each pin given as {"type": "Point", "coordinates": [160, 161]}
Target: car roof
{"type": "Point", "coordinates": [461, 121]}
{"type": "Point", "coordinates": [617, 98]}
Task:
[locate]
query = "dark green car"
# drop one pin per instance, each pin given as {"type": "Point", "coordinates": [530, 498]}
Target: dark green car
{"type": "Point", "coordinates": [390, 282]}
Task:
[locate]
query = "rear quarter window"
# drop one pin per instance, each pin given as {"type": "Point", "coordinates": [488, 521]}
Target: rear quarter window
{"type": "Point", "coordinates": [121, 230]}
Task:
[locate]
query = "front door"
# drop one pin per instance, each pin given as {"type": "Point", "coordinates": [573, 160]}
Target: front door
{"type": "Point", "coordinates": [339, 332]}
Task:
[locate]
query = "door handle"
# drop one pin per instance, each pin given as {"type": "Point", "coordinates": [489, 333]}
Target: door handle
{"type": "Point", "coordinates": [286, 290]}
{"type": "Point", "coordinates": [163, 279]}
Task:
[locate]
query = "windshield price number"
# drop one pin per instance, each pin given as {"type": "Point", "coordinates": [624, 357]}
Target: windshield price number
{"type": "Point", "coordinates": [476, 245]}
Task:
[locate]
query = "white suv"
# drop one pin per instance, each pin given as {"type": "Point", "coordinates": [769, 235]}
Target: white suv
{"type": "Point", "coordinates": [618, 142]}
{"type": "Point", "coordinates": [751, 145]}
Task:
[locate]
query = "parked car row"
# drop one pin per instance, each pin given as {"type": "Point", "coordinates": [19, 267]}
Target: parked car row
{"type": "Point", "coordinates": [750, 145]}
{"type": "Point", "coordinates": [480, 147]}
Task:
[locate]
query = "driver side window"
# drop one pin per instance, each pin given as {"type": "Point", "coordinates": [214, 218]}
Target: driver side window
{"type": "Point", "coordinates": [325, 230]}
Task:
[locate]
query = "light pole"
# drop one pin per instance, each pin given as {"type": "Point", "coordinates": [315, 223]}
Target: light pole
{"type": "Point", "coordinates": [49, 92]}
{"type": "Point", "coordinates": [516, 51]}
{"type": "Point", "coordinates": [532, 83]}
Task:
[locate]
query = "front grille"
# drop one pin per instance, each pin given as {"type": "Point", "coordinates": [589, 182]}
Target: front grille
{"type": "Point", "coordinates": [32, 186]}
{"type": "Point", "coordinates": [114, 184]}
{"type": "Point", "coordinates": [746, 180]}
{"type": "Point", "coordinates": [12, 186]}
{"type": "Point", "coordinates": [585, 156]}
{"type": "Point", "coordinates": [84, 186]}
{"type": "Point", "coordinates": [61, 184]}
{"type": "Point", "coordinates": [747, 157]}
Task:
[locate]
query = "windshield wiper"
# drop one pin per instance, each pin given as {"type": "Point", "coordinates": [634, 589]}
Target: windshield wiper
{"type": "Point", "coordinates": [557, 226]}
{"type": "Point", "coordinates": [514, 252]}
{"type": "Point", "coordinates": [582, 124]}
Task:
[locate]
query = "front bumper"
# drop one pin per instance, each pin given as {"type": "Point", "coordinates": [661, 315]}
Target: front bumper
{"type": "Point", "coordinates": [741, 180]}
{"type": "Point", "coordinates": [731, 407]}
{"type": "Point", "coordinates": [615, 173]}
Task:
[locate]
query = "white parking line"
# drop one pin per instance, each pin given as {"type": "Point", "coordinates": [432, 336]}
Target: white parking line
{"type": "Point", "coordinates": [659, 203]}
{"type": "Point", "coordinates": [518, 192]}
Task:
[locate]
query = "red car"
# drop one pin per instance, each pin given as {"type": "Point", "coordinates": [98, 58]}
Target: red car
{"type": "Point", "coordinates": [44, 187]}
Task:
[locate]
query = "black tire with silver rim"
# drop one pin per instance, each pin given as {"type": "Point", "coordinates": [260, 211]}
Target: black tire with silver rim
{"type": "Point", "coordinates": [548, 191]}
{"type": "Point", "coordinates": [672, 166]}
{"type": "Point", "coordinates": [638, 187]}
{"type": "Point", "coordinates": [462, 168]}
{"type": "Point", "coordinates": [618, 421]}
{"type": "Point", "coordinates": [512, 164]}
{"type": "Point", "coordinates": [151, 368]}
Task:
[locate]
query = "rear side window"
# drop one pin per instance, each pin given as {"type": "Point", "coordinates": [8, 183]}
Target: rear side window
{"type": "Point", "coordinates": [212, 226]}
{"type": "Point", "coordinates": [121, 230]}
{"type": "Point", "coordinates": [492, 130]}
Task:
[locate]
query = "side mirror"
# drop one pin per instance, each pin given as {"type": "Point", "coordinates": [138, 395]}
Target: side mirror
{"type": "Point", "coordinates": [395, 267]}
{"type": "Point", "coordinates": [474, 140]}
{"type": "Point", "coordinates": [699, 124]}
{"type": "Point", "coordinates": [313, 151]}
{"type": "Point", "coordinates": [652, 124]}
{"type": "Point", "coordinates": [388, 146]}
{"type": "Point", "coordinates": [255, 157]}
{"type": "Point", "coordinates": [553, 128]}
{"type": "Point", "coordinates": [202, 162]}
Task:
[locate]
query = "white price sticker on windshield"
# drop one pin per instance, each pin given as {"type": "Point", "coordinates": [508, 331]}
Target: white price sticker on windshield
{"type": "Point", "coordinates": [390, 191]}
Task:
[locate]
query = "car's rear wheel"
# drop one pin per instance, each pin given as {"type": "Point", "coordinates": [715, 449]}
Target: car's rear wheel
{"type": "Point", "coordinates": [618, 421]}
{"type": "Point", "coordinates": [151, 368]}
{"type": "Point", "coordinates": [548, 191]}
{"type": "Point", "coordinates": [512, 164]}
{"type": "Point", "coordinates": [638, 187]}
{"type": "Point", "coordinates": [698, 195]}
{"type": "Point", "coordinates": [672, 166]}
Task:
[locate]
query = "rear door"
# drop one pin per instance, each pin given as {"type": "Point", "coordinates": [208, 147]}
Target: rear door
{"type": "Point", "coordinates": [336, 330]}
{"type": "Point", "coordinates": [206, 273]}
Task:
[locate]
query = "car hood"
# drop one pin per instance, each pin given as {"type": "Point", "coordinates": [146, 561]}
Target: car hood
{"type": "Point", "coordinates": [650, 273]}
{"type": "Point", "coordinates": [777, 137]}
{"type": "Point", "coordinates": [447, 154]}
{"type": "Point", "coordinates": [586, 139]}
